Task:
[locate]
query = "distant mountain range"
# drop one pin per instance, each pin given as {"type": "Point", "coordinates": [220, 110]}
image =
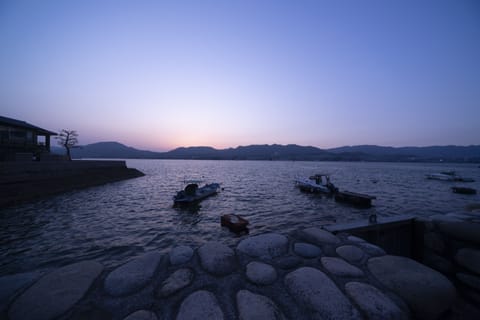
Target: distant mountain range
{"type": "Point", "coordinates": [285, 152]}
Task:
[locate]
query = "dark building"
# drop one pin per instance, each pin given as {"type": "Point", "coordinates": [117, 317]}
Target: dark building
{"type": "Point", "coordinates": [20, 140]}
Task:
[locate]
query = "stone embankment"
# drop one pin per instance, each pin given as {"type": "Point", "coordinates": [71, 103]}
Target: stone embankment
{"type": "Point", "coordinates": [24, 181]}
{"type": "Point", "coordinates": [309, 274]}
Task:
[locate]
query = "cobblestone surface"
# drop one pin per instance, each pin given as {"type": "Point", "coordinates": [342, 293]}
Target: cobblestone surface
{"type": "Point", "coordinates": [309, 274]}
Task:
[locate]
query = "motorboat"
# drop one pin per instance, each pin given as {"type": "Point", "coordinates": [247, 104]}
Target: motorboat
{"type": "Point", "coordinates": [448, 176]}
{"type": "Point", "coordinates": [193, 194]}
{"type": "Point", "coordinates": [234, 222]}
{"type": "Point", "coordinates": [318, 183]}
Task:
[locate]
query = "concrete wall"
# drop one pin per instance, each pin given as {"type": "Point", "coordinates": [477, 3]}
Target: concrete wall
{"type": "Point", "coordinates": [23, 181]}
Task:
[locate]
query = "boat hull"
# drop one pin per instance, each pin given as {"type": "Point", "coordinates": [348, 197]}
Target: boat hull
{"type": "Point", "coordinates": [356, 199]}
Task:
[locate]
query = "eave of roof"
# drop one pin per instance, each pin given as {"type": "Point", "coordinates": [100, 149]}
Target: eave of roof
{"type": "Point", "coordinates": [26, 125]}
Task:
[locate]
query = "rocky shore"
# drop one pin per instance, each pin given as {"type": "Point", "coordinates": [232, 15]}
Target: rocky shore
{"type": "Point", "coordinates": [309, 274]}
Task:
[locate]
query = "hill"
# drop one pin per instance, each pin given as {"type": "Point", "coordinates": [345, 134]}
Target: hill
{"type": "Point", "coordinates": [285, 152]}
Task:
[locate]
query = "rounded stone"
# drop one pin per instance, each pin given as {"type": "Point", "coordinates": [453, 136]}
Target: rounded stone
{"type": "Point", "coordinates": [462, 230]}
{"type": "Point", "coordinates": [322, 299]}
{"type": "Point", "coordinates": [217, 258]}
{"type": "Point", "coordinates": [355, 239]}
{"type": "Point", "coordinates": [253, 306]}
{"type": "Point", "coordinates": [469, 259]}
{"type": "Point", "coordinates": [261, 273]}
{"type": "Point", "coordinates": [268, 245]}
{"type": "Point", "coordinates": [319, 236]}
{"type": "Point", "coordinates": [437, 262]}
{"type": "Point", "coordinates": [55, 293]}
{"type": "Point", "coordinates": [374, 304]}
{"type": "Point", "coordinates": [141, 315]}
{"type": "Point", "coordinates": [427, 292]}
{"type": "Point", "coordinates": [288, 262]}
{"type": "Point", "coordinates": [11, 284]}
{"type": "Point", "coordinates": [133, 275]}
{"type": "Point", "coordinates": [306, 250]}
{"type": "Point", "coordinates": [200, 305]}
{"type": "Point", "coordinates": [350, 253]}
{"type": "Point", "coordinates": [469, 280]}
{"type": "Point", "coordinates": [180, 254]}
{"type": "Point", "coordinates": [371, 249]}
{"type": "Point", "coordinates": [340, 267]}
{"type": "Point", "coordinates": [177, 280]}
{"type": "Point", "coordinates": [434, 242]}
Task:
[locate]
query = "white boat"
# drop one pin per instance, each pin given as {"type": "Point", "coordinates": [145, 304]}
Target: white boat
{"type": "Point", "coordinates": [448, 176]}
{"type": "Point", "coordinates": [319, 183]}
{"type": "Point", "coordinates": [193, 194]}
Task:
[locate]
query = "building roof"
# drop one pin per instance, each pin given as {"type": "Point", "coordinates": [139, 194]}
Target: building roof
{"type": "Point", "coordinates": [25, 125]}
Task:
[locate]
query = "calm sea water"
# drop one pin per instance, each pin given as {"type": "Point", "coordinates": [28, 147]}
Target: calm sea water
{"type": "Point", "coordinates": [114, 222]}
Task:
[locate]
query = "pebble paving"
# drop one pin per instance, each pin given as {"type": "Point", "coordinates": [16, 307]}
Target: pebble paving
{"type": "Point", "coordinates": [309, 274]}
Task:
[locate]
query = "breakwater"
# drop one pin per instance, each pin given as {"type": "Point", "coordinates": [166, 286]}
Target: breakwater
{"type": "Point", "coordinates": [310, 273]}
{"type": "Point", "coordinates": [24, 181]}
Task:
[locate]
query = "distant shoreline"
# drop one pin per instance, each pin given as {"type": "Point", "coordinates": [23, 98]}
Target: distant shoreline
{"type": "Point", "coordinates": [366, 153]}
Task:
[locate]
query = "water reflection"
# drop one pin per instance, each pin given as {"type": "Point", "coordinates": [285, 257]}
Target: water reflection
{"type": "Point", "coordinates": [114, 222]}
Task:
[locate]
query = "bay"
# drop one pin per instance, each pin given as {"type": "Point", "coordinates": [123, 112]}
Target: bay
{"type": "Point", "coordinates": [115, 222]}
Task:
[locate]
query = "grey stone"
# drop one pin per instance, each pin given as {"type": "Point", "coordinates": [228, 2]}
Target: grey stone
{"type": "Point", "coordinates": [180, 254]}
{"type": "Point", "coordinates": [469, 280]}
{"type": "Point", "coordinates": [289, 262]}
{"type": "Point", "coordinates": [319, 236]}
{"type": "Point", "coordinates": [56, 292]}
{"type": "Point", "coordinates": [434, 242]}
{"type": "Point", "coordinates": [312, 288]}
{"type": "Point", "coordinates": [340, 267]}
{"type": "Point", "coordinates": [427, 292]}
{"type": "Point", "coordinates": [306, 250]}
{"type": "Point", "coordinates": [355, 239]}
{"type": "Point", "coordinates": [253, 306]}
{"type": "Point", "coordinates": [142, 315]}
{"type": "Point", "coordinates": [374, 304]}
{"type": "Point", "coordinates": [11, 284]}
{"type": "Point", "coordinates": [177, 280]}
{"type": "Point", "coordinates": [371, 249]}
{"type": "Point", "coordinates": [463, 230]}
{"type": "Point", "coordinates": [200, 305]}
{"type": "Point", "coordinates": [261, 273]}
{"type": "Point", "coordinates": [437, 262]}
{"type": "Point", "coordinates": [133, 275]}
{"type": "Point", "coordinates": [350, 253]}
{"type": "Point", "coordinates": [217, 258]}
{"type": "Point", "coordinates": [469, 259]}
{"type": "Point", "coordinates": [268, 245]}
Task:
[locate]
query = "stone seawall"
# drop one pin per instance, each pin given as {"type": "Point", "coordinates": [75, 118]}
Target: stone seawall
{"type": "Point", "coordinates": [308, 274]}
{"type": "Point", "coordinates": [24, 181]}
{"type": "Point", "coordinates": [451, 246]}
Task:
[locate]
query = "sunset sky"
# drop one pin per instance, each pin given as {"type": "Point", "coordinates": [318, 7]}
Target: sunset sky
{"type": "Point", "coordinates": [161, 74]}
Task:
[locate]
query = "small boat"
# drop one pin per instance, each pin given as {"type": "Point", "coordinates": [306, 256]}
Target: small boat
{"type": "Point", "coordinates": [464, 190]}
{"type": "Point", "coordinates": [357, 199]}
{"type": "Point", "coordinates": [319, 183]}
{"type": "Point", "coordinates": [448, 176]}
{"type": "Point", "coordinates": [234, 222]}
{"type": "Point", "coordinates": [192, 193]}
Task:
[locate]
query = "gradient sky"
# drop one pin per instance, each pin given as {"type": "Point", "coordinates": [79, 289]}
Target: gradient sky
{"type": "Point", "coordinates": [161, 74]}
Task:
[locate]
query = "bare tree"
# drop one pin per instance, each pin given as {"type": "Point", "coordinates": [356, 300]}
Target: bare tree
{"type": "Point", "coordinates": [68, 139]}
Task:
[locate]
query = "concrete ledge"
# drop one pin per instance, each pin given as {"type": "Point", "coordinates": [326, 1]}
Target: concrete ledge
{"type": "Point", "coordinates": [21, 182]}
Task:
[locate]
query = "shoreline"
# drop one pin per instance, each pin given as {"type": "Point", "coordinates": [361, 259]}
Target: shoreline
{"type": "Point", "coordinates": [329, 272]}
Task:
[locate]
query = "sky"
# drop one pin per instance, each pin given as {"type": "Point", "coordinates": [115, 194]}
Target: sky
{"type": "Point", "coordinates": [157, 74]}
